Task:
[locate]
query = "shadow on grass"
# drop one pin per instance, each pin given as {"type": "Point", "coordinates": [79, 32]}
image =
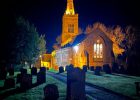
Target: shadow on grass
{"type": "Point", "coordinates": [17, 90]}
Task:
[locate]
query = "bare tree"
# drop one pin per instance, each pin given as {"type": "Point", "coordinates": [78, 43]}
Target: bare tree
{"type": "Point", "coordinates": [88, 29]}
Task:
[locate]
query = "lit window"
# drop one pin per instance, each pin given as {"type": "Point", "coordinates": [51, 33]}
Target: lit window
{"type": "Point", "coordinates": [98, 50]}
{"type": "Point", "coordinates": [71, 28]}
{"type": "Point", "coordinates": [76, 48]}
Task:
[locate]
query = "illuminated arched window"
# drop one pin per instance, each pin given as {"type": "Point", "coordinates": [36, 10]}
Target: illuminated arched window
{"type": "Point", "coordinates": [98, 50]}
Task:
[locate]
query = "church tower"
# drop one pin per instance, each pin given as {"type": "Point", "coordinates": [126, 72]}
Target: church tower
{"type": "Point", "coordinates": [69, 24]}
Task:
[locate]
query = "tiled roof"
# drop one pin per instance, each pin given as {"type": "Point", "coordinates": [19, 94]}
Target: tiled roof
{"type": "Point", "coordinates": [79, 38]}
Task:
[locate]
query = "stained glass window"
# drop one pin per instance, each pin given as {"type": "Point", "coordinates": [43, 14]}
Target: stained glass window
{"type": "Point", "coordinates": [98, 50]}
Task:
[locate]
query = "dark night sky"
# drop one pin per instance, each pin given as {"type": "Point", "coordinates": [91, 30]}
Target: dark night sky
{"type": "Point", "coordinates": [46, 15]}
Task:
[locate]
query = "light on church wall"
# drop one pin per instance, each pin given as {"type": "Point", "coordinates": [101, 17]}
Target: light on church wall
{"type": "Point", "coordinates": [76, 48]}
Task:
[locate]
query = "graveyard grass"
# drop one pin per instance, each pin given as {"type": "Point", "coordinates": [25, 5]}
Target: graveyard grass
{"type": "Point", "coordinates": [122, 84]}
{"type": "Point", "coordinates": [118, 83]}
{"type": "Point", "coordinates": [36, 93]}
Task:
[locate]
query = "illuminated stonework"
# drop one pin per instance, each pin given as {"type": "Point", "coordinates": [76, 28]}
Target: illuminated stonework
{"type": "Point", "coordinates": [94, 49]}
{"type": "Point", "coordinates": [69, 24]}
{"type": "Point", "coordinates": [70, 8]}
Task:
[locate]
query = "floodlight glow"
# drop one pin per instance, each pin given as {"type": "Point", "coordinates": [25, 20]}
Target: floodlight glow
{"type": "Point", "coordinates": [76, 48]}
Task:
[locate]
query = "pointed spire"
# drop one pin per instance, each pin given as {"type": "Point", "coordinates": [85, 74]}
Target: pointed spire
{"type": "Point", "coordinates": [70, 8]}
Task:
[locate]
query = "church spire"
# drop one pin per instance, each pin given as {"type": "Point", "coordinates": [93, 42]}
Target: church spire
{"type": "Point", "coordinates": [70, 8]}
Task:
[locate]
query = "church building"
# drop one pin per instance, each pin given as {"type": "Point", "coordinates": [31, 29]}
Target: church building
{"type": "Point", "coordinates": [94, 49]}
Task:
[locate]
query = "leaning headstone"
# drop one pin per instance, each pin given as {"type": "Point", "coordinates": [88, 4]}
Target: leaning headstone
{"type": "Point", "coordinates": [26, 81]}
{"type": "Point", "coordinates": [34, 71]}
{"type": "Point", "coordinates": [97, 70]}
{"type": "Point", "coordinates": [51, 92]}
{"type": "Point", "coordinates": [85, 68]}
{"type": "Point", "coordinates": [9, 83]}
{"type": "Point", "coordinates": [66, 68]}
{"type": "Point", "coordinates": [91, 68]}
{"type": "Point", "coordinates": [115, 67]}
{"type": "Point", "coordinates": [107, 69]}
{"type": "Point", "coordinates": [43, 70]}
{"type": "Point", "coordinates": [41, 77]}
{"type": "Point", "coordinates": [70, 67]}
{"type": "Point", "coordinates": [76, 84]}
{"type": "Point", "coordinates": [137, 88]}
{"type": "Point", "coordinates": [61, 69]}
{"type": "Point", "coordinates": [19, 77]}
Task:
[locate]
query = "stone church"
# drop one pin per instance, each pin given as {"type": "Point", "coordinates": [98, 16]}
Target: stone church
{"type": "Point", "coordinates": [94, 49]}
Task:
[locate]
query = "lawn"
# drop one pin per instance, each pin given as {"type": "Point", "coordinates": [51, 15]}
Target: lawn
{"type": "Point", "coordinates": [118, 83]}
{"type": "Point", "coordinates": [36, 93]}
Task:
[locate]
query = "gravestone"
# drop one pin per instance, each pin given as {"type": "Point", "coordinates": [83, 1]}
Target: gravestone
{"type": "Point", "coordinates": [97, 70]}
{"type": "Point", "coordinates": [137, 88]}
{"type": "Point", "coordinates": [91, 68]}
{"type": "Point", "coordinates": [70, 67]}
{"type": "Point", "coordinates": [51, 92]}
{"type": "Point", "coordinates": [85, 68]}
{"type": "Point", "coordinates": [66, 68]}
{"type": "Point", "coordinates": [115, 67]}
{"type": "Point", "coordinates": [34, 71]}
{"type": "Point", "coordinates": [107, 69]}
{"type": "Point", "coordinates": [61, 69]}
{"type": "Point", "coordinates": [26, 81]}
{"type": "Point", "coordinates": [41, 77]}
{"type": "Point", "coordinates": [19, 76]}
{"type": "Point", "coordinates": [43, 70]}
{"type": "Point", "coordinates": [76, 84]}
{"type": "Point", "coordinates": [9, 83]}
{"type": "Point", "coordinates": [11, 71]}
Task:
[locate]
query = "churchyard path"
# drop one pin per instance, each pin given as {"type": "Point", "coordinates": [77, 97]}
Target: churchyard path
{"type": "Point", "coordinates": [92, 91]}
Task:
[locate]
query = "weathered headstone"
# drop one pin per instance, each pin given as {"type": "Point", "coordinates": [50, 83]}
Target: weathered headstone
{"type": "Point", "coordinates": [26, 81]}
{"type": "Point", "coordinates": [115, 67]}
{"type": "Point", "coordinates": [97, 70]}
{"type": "Point", "coordinates": [41, 77]}
{"type": "Point", "coordinates": [61, 69]}
{"type": "Point", "coordinates": [19, 76]}
{"type": "Point", "coordinates": [107, 69]}
{"type": "Point", "coordinates": [34, 71]}
{"type": "Point", "coordinates": [11, 71]}
{"type": "Point", "coordinates": [85, 68]}
{"type": "Point", "coordinates": [43, 70]}
{"type": "Point", "coordinates": [9, 83]}
{"type": "Point", "coordinates": [76, 84]}
{"type": "Point", "coordinates": [70, 67]}
{"type": "Point", "coordinates": [91, 68]}
{"type": "Point", "coordinates": [66, 68]}
{"type": "Point", "coordinates": [137, 88]}
{"type": "Point", "coordinates": [51, 92]}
